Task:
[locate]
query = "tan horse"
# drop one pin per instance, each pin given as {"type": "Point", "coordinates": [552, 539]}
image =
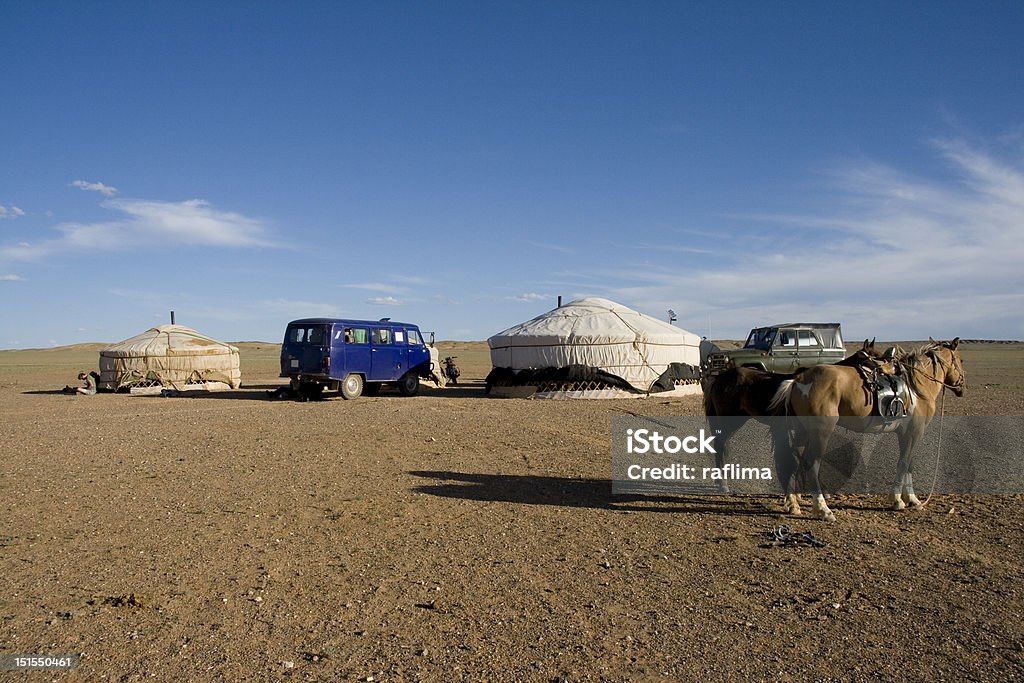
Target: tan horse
{"type": "Point", "coordinates": [829, 395]}
{"type": "Point", "coordinates": [747, 392]}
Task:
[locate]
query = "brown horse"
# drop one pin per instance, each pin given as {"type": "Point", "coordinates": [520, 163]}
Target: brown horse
{"type": "Point", "coordinates": [830, 395]}
{"type": "Point", "coordinates": [747, 392]}
{"type": "Point", "coordinates": [743, 392]}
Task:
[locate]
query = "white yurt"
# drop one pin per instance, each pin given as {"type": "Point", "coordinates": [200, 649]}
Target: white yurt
{"type": "Point", "coordinates": [172, 356]}
{"type": "Point", "coordinates": [594, 348]}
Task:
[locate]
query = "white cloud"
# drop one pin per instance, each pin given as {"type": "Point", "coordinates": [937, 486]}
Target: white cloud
{"type": "Point", "coordinates": [105, 190]}
{"type": "Point", "coordinates": [11, 277]}
{"type": "Point", "coordinates": [10, 213]}
{"type": "Point", "coordinates": [144, 223]}
{"type": "Point", "coordinates": [383, 301]}
{"type": "Point", "coordinates": [530, 297]}
{"type": "Point", "coordinates": [377, 287]}
{"type": "Point", "coordinates": [899, 257]}
{"type": "Point", "coordinates": [550, 247]}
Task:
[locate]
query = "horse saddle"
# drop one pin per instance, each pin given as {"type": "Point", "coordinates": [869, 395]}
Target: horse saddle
{"type": "Point", "coordinates": [892, 396]}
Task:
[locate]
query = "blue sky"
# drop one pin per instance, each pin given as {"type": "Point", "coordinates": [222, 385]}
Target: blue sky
{"type": "Point", "coordinates": [459, 165]}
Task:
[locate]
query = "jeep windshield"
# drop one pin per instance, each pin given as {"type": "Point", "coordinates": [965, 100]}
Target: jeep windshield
{"type": "Point", "coordinates": [760, 338]}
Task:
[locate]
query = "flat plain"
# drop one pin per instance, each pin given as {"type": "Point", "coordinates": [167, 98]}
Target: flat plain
{"type": "Point", "coordinates": [452, 536]}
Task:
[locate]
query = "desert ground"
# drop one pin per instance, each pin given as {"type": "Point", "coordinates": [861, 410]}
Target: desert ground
{"type": "Point", "coordinates": [449, 536]}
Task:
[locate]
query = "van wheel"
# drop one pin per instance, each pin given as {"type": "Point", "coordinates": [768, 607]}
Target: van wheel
{"type": "Point", "coordinates": [409, 385]}
{"type": "Point", "coordinates": [351, 386]}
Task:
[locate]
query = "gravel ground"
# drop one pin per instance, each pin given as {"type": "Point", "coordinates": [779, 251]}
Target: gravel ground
{"type": "Point", "coordinates": [449, 536]}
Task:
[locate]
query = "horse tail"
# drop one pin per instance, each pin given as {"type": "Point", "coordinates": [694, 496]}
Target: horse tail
{"type": "Point", "coordinates": [781, 399]}
{"type": "Point", "coordinates": [709, 402]}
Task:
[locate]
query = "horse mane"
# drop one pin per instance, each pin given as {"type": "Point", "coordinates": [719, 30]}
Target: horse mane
{"type": "Point", "coordinates": [912, 359]}
{"type": "Point", "coordinates": [925, 351]}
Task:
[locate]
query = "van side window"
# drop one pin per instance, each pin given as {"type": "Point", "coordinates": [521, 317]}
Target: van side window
{"type": "Point", "coordinates": [414, 338]}
{"type": "Point", "coordinates": [399, 336]}
{"type": "Point", "coordinates": [356, 335]}
{"type": "Point", "coordinates": [381, 336]}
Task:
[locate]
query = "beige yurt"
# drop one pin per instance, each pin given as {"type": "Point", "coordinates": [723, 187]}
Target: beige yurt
{"type": "Point", "coordinates": [594, 348]}
{"type": "Point", "coordinates": [172, 356]}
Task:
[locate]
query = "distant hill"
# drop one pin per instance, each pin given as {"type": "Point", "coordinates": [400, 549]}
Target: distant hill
{"type": "Point", "coordinates": [89, 346]}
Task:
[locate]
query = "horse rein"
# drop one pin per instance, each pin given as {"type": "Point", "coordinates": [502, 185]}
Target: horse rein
{"type": "Point", "coordinates": [937, 360]}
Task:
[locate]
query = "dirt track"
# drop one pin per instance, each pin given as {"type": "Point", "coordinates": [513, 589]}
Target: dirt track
{"type": "Point", "coordinates": [229, 537]}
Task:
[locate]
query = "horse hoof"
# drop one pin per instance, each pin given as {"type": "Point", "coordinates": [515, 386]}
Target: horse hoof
{"type": "Point", "coordinates": [898, 505]}
{"type": "Point", "coordinates": [828, 516]}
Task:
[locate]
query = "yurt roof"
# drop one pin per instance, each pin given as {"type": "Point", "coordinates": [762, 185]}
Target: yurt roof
{"type": "Point", "coordinates": [169, 340]}
{"type": "Point", "coordinates": [592, 321]}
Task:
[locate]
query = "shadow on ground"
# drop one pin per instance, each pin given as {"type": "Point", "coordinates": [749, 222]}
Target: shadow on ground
{"type": "Point", "coordinates": [583, 493]}
{"type": "Point", "coordinates": [462, 390]}
{"type": "Point", "coordinates": [259, 392]}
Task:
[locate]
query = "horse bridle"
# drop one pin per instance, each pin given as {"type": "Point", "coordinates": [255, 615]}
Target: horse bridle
{"type": "Point", "coordinates": [938, 361]}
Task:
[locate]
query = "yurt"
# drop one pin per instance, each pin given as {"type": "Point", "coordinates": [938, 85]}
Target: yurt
{"type": "Point", "coordinates": [594, 348]}
{"type": "Point", "coordinates": [170, 356]}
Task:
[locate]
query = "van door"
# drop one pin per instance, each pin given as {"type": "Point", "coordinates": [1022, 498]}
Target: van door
{"type": "Point", "coordinates": [306, 348]}
{"type": "Point", "coordinates": [356, 345]}
{"type": "Point", "coordinates": [419, 355]}
{"type": "Point", "coordinates": [386, 363]}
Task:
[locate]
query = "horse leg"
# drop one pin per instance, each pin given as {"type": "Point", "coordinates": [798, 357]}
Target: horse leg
{"type": "Point", "coordinates": [817, 442]}
{"type": "Point", "coordinates": [903, 486]}
{"type": "Point", "coordinates": [723, 429]}
{"type": "Point", "coordinates": [785, 468]}
{"type": "Point", "coordinates": [909, 496]}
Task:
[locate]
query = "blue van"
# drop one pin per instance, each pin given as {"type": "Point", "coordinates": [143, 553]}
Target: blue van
{"type": "Point", "coordinates": [353, 356]}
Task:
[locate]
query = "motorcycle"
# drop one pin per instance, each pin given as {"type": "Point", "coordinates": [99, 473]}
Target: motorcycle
{"type": "Point", "coordinates": [451, 371]}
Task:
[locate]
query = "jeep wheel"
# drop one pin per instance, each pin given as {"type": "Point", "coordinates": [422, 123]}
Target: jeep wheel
{"type": "Point", "coordinates": [409, 384]}
{"type": "Point", "coordinates": [351, 386]}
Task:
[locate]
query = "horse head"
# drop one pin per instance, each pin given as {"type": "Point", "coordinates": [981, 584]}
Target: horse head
{"type": "Point", "coordinates": [946, 355]}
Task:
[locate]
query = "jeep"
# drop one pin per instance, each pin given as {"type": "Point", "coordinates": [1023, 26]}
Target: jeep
{"type": "Point", "coordinates": [353, 356]}
{"type": "Point", "coordinates": [783, 348]}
